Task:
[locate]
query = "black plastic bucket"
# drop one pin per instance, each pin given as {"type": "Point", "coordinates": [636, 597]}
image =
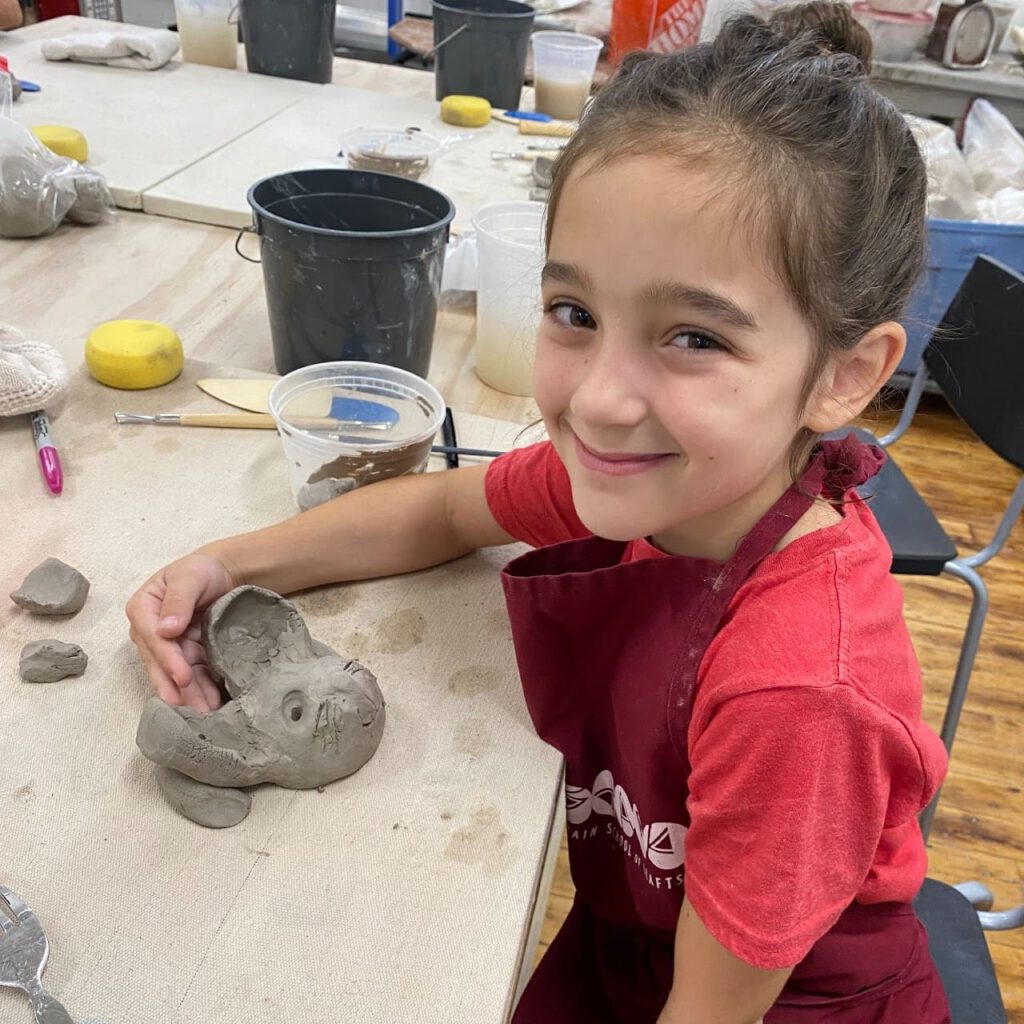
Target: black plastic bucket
{"type": "Point", "coordinates": [488, 56]}
{"type": "Point", "coordinates": [289, 38]}
{"type": "Point", "coordinates": [352, 264]}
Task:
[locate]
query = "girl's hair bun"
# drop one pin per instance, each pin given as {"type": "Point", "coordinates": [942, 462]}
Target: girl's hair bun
{"type": "Point", "coordinates": [830, 23]}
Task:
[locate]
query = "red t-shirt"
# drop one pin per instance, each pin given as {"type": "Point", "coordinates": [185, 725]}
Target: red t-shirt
{"type": "Point", "coordinates": [810, 761]}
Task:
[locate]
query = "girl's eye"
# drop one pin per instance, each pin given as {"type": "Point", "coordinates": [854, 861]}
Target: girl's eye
{"type": "Point", "coordinates": [695, 341]}
{"type": "Point", "coordinates": [570, 315]}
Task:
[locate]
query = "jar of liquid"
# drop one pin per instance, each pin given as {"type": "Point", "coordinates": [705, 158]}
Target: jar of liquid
{"type": "Point", "coordinates": [208, 31]}
{"type": "Point", "coordinates": [563, 72]}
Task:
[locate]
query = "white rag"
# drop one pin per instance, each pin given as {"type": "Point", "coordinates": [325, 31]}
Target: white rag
{"type": "Point", "coordinates": [146, 50]}
{"type": "Point", "coordinates": [32, 375]}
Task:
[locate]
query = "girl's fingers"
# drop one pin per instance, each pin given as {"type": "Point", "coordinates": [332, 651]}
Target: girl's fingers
{"type": "Point", "coordinates": [164, 687]}
{"type": "Point", "coordinates": [193, 652]}
{"type": "Point", "coordinates": [203, 682]}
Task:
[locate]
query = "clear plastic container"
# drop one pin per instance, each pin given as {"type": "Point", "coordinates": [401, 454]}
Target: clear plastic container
{"type": "Point", "coordinates": [346, 424]}
{"type": "Point", "coordinates": [900, 6]}
{"type": "Point", "coordinates": [208, 32]}
{"type": "Point", "coordinates": [510, 257]}
{"type": "Point", "coordinates": [407, 153]}
{"type": "Point", "coordinates": [894, 37]}
{"type": "Point", "coordinates": [563, 72]}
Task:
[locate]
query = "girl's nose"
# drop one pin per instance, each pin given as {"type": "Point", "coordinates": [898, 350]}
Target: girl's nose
{"type": "Point", "coordinates": [610, 391]}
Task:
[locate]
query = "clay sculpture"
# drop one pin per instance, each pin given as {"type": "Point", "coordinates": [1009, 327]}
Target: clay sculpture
{"type": "Point", "coordinates": [47, 661]}
{"type": "Point", "coordinates": [299, 714]}
{"type": "Point", "coordinates": [52, 588]}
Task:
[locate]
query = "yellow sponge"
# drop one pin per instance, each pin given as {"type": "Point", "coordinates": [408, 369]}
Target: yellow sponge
{"type": "Point", "coordinates": [466, 111]}
{"type": "Point", "coordinates": [133, 354]}
{"type": "Point", "coordinates": [66, 141]}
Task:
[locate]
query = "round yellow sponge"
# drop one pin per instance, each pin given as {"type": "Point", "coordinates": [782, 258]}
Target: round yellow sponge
{"type": "Point", "coordinates": [467, 111]}
{"type": "Point", "coordinates": [133, 354]}
{"type": "Point", "coordinates": [65, 141]}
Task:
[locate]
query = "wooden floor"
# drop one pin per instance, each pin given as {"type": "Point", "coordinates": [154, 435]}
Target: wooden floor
{"type": "Point", "coordinates": [979, 829]}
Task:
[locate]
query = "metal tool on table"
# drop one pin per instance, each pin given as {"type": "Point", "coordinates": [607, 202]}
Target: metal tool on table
{"type": "Point", "coordinates": [501, 154]}
{"type": "Point", "coordinates": [243, 420]}
{"type": "Point", "coordinates": [23, 953]}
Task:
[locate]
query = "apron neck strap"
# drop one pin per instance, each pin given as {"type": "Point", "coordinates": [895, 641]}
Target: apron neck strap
{"type": "Point", "coordinates": [835, 468]}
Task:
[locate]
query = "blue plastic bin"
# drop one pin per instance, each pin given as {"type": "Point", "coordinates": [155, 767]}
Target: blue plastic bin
{"type": "Point", "coordinates": [952, 246]}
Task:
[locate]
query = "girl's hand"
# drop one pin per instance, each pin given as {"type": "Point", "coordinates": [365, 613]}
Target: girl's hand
{"type": "Point", "coordinates": [166, 615]}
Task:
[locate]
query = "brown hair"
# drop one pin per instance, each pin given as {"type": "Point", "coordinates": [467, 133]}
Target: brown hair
{"type": "Point", "coordinates": [828, 168]}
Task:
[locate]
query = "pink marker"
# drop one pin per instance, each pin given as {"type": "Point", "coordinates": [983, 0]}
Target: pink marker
{"type": "Point", "coordinates": [48, 457]}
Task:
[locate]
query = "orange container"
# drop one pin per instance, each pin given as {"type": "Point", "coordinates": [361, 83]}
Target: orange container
{"type": "Point", "coordinates": [660, 25]}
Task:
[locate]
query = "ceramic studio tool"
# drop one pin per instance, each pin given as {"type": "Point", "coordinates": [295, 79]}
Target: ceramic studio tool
{"type": "Point", "coordinates": [133, 354]}
{"type": "Point", "coordinates": [253, 395]}
{"type": "Point", "coordinates": [23, 954]}
{"type": "Point", "coordinates": [465, 111]}
{"type": "Point", "coordinates": [501, 154]}
{"type": "Point", "coordinates": [557, 129]}
{"type": "Point", "coordinates": [239, 420]}
{"type": "Point", "coordinates": [259, 421]}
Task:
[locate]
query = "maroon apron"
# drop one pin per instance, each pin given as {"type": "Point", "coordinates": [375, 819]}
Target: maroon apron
{"type": "Point", "coordinates": [608, 654]}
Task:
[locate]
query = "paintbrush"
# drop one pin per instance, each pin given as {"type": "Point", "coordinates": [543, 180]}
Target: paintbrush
{"type": "Point", "coordinates": [261, 421]}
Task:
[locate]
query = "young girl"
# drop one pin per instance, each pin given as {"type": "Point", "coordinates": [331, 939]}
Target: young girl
{"type": "Point", "coordinates": [707, 628]}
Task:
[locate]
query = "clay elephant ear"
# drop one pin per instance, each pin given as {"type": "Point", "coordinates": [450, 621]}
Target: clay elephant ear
{"type": "Point", "coordinates": [251, 631]}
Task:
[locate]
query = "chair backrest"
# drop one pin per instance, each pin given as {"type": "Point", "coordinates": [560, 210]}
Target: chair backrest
{"type": "Point", "coordinates": [976, 356]}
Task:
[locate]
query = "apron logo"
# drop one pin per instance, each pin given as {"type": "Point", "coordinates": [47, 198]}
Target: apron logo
{"type": "Point", "coordinates": [662, 842]}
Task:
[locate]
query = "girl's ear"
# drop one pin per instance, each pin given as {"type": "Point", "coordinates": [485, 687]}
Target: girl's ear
{"type": "Point", "coordinates": [853, 377]}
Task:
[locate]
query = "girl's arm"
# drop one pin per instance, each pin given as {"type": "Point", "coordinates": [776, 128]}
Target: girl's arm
{"type": "Point", "coordinates": [391, 527]}
{"type": "Point", "coordinates": [712, 986]}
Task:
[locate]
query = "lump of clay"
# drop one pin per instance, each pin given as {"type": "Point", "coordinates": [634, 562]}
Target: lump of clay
{"type": "Point", "coordinates": [311, 495]}
{"type": "Point", "coordinates": [47, 661]}
{"type": "Point", "coordinates": [52, 588]}
{"type": "Point", "coordinates": [212, 806]}
{"type": "Point", "coordinates": [300, 715]}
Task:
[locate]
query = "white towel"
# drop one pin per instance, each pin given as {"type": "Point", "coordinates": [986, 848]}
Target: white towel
{"type": "Point", "coordinates": [145, 50]}
{"type": "Point", "coordinates": [32, 375]}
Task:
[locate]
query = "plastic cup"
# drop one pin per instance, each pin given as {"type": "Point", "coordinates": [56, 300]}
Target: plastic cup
{"type": "Point", "coordinates": [563, 72]}
{"type": "Point", "coordinates": [324, 415]}
{"type": "Point", "coordinates": [409, 154]}
{"type": "Point", "coordinates": [510, 257]}
{"type": "Point", "coordinates": [207, 32]}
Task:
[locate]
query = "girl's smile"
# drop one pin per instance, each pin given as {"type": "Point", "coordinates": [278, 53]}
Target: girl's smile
{"type": "Point", "coordinates": [617, 463]}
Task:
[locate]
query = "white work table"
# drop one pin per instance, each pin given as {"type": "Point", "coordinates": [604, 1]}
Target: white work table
{"type": "Point", "coordinates": [410, 891]}
{"type": "Point", "coordinates": [187, 141]}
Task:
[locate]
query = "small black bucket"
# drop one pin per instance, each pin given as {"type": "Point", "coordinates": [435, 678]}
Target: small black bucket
{"type": "Point", "coordinates": [487, 56]}
{"type": "Point", "coordinates": [289, 38]}
{"type": "Point", "coordinates": [352, 264]}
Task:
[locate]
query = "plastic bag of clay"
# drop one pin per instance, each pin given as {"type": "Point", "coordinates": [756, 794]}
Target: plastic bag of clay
{"type": "Point", "coordinates": [1005, 207]}
{"type": "Point", "coordinates": [950, 185]}
{"type": "Point", "coordinates": [994, 150]}
{"type": "Point", "coordinates": [38, 188]}
{"type": "Point", "coordinates": [458, 283]}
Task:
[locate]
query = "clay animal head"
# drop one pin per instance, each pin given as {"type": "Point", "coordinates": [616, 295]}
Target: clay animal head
{"type": "Point", "coordinates": [299, 714]}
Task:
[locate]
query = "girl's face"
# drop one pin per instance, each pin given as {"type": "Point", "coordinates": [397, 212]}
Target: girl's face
{"type": "Point", "coordinates": [670, 361]}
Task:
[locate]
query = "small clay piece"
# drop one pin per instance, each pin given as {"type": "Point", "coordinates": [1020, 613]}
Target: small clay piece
{"type": "Point", "coordinates": [299, 715]}
{"type": "Point", "coordinates": [52, 588]}
{"type": "Point", "coordinates": [311, 495]}
{"type": "Point", "coordinates": [46, 661]}
{"type": "Point", "coordinates": [212, 806]}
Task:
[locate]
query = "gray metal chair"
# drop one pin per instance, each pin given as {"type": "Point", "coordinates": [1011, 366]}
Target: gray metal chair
{"type": "Point", "coordinates": [956, 918]}
{"type": "Point", "coordinates": [976, 356]}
